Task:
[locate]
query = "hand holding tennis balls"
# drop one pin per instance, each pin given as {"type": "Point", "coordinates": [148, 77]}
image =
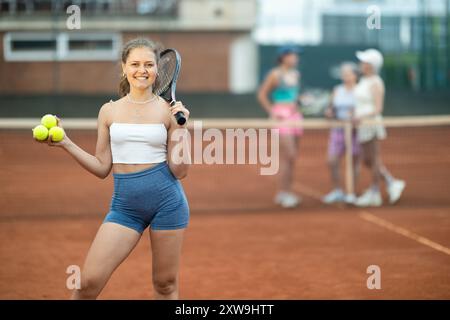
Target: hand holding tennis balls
{"type": "Point", "coordinates": [49, 130]}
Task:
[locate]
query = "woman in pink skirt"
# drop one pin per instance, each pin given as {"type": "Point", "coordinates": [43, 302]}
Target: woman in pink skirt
{"type": "Point", "coordinates": [279, 96]}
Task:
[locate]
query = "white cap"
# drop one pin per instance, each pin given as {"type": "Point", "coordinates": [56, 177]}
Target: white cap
{"type": "Point", "coordinates": [372, 57]}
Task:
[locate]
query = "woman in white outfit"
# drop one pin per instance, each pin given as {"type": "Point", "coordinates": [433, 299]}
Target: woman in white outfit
{"type": "Point", "coordinates": [342, 105]}
{"type": "Point", "coordinates": [369, 103]}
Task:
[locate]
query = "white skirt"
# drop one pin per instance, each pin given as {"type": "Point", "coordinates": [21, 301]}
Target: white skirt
{"type": "Point", "coordinates": [368, 132]}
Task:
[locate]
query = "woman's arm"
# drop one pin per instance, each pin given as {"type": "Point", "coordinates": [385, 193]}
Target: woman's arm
{"type": "Point", "coordinates": [378, 91]}
{"type": "Point", "coordinates": [100, 164]}
{"type": "Point", "coordinates": [329, 111]}
{"type": "Point", "coordinates": [178, 144]}
{"type": "Point", "coordinates": [264, 90]}
{"type": "Point", "coordinates": [301, 96]}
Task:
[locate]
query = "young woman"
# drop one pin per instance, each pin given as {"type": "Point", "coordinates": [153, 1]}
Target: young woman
{"type": "Point", "coordinates": [134, 140]}
{"type": "Point", "coordinates": [369, 103]}
{"type": "Point", "coordinates": [279, 96]}
{"type": "Point", "coordinates": [342, 108]}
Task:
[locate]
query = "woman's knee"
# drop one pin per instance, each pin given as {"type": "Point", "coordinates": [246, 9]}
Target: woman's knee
{"type": "Point", "coordinates": [367, 159]}
{"type": "Point", "coordinates": [289, 148]}
{"type": "Point", "coordinates": [288, 157]}
{"type": "Point", "coordinates": [293, 156]}
{"type": "Point", "coordinates": [165, 285]}
{"type": "Point", "coordinates": [333, 161]}
{"type": "Point", "coordinates": [290, 153]}
{"type": "Point", "coordinates": [90, 287]}
{"type": "Point", "coordinates": [368, 162]}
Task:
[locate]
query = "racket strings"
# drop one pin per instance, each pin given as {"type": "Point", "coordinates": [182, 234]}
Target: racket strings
{"type": "Point", "coordinates": [166, 71]}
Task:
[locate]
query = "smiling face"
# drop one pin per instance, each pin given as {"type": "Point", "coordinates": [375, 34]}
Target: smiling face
{"type": "Point", "coordinates": [140, 68]}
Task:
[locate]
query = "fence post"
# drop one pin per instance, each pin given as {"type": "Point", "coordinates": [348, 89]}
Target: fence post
{"type": "Point", "coordinates": [349, 179]}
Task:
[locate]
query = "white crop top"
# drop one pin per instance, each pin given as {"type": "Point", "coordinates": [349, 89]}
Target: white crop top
{"type": "Point", "coordinates": [134, 143]}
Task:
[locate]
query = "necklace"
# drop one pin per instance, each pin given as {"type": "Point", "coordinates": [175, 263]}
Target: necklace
{"type": "Point", "coordinates": [141, 102]}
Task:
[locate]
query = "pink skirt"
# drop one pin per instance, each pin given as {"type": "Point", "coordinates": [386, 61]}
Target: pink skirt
{"type": "Point", "coordinates": [288, 111]}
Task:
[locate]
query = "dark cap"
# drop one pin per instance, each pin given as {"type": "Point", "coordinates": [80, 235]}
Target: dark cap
{"type": "Point", "coordinates": [284, 50]}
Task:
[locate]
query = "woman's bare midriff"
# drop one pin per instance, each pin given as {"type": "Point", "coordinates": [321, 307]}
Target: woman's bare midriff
{"type": "Point", "coordinates": [129, 168]}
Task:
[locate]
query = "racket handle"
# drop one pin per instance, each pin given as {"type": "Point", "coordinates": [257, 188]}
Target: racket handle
{"type": "Point", "coordinates": [181, 119]}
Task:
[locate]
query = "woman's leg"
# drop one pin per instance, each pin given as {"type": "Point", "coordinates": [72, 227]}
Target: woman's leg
{"type": "Point", "coordinates": [293, 155]}
{"type": "Point", "coordinates": [394, 187]}
{"type": "Point", "coordinates": [372, 196]}
{"type": "Point", "coordinates": [288, 155]}
{"type": "Point", "coordinates": [376, 163]}
{"type": "Point", "coordinates": [356, 170]}
{"type": "Point", "coordinates": [166, 254]}
{"type": "Point", "coordinates": [371, 161]}
{"type": "Point", "coordinates": [386, 175]}
{"type": "Point", "coordinates": [333, 164]}
{"type": "Point", "coordinates": [296, 151]}
{"type": "Point", "coordinates": [112, 244]}
{"type": "Point", "coordinates": [337, 194]}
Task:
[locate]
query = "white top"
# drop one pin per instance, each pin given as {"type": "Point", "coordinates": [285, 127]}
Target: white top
{"type": "Point", "coordinates": [364, 99]}
{"type": "Point", "coordinates": [138, 143]}
{"type": "Point", "coordinates": [343, 102]}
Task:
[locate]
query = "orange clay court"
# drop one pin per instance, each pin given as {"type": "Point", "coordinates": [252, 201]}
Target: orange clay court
{"type": "Point", "coordinates": [239, 245]}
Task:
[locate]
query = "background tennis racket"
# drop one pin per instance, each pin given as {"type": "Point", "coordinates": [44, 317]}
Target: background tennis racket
{"type": "Point", "coordinates": [168, 69]}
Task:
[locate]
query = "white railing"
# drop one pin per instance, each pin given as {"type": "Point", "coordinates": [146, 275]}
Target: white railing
{"type": "Point", "coordinates": [90, 7]}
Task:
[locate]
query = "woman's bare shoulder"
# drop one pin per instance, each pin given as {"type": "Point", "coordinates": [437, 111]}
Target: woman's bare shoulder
{"type": "Point", "coordinates": [163, 108]}
{"type": "Point", "coordinates": [377, 82]}
{"type": "Point", "coordinates": [274, 72]}
{"type": "Point", "coordinates": [161, 103]}
{"type": "Point", "coordinates": [111, 104]}
{"type": "Point", "coordinates": [109, 108]}
{"type": "Point", "coordinates": [117, 102]}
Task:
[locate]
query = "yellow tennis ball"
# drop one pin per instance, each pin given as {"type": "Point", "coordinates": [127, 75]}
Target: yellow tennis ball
{"type": "Point", "coordinates": [40, 132]}
{"type": "Point", "coordinates": [49, 121]}
{"type": "Point", "coordinates": [57, 134]}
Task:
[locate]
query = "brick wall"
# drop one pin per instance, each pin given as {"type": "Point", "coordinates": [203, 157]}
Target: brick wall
{"type": "Point", "coordinates": [204, 68]}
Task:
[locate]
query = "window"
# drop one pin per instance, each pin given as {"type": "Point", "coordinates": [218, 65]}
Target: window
{"type": "Point", "coordinates": [33, 45]}
{"type": "Point", "coordinates": [85, 46]}
{"type": "Point", "coordinates": [80, 44]}
{"type": "Point", "coordinates": [61, 46]}
{"type": "Point", "coordinates": [23, 46]}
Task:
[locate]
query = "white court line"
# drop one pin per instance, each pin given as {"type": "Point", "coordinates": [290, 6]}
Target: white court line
{"type": "Point", "coordinates": [378, 221]}
{"type": "Point", "coordinates": [404, 232]}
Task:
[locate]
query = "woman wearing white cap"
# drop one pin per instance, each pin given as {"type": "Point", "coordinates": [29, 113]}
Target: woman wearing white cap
{"type": "Point", "coordinates": [369, 102]}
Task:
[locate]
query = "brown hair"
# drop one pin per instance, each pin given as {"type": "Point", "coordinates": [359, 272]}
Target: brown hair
{"type": "Point", "coordinates": [124, 85]}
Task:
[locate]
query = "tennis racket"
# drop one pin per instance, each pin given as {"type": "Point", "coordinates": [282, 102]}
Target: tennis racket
{"type": "Point", "coordinates": [168, 70]}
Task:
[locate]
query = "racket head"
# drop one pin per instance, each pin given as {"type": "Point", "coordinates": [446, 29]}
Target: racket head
{"type": "Point", "coordinates": [168, 70]}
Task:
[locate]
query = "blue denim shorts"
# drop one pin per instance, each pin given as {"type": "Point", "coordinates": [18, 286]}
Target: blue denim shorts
{"type": "Point", "coordinates": [152, 197]}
